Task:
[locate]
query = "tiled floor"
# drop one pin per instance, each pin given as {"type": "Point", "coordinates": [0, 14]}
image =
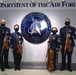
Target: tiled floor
{"type": "Point", "coordinates": [36, 69]}
{"type": "Point", "coordinates": [35, 72]}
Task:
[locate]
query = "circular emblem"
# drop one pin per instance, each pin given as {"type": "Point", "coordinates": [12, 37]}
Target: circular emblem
{"type": "Point", "coordinates": [36, 27]}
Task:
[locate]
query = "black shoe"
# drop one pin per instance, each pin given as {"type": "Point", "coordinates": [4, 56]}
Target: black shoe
{"type": "Point", "coordinates": [19, 69]}
{"type": "Point", "coordinates": [54, 70]}
{"type": "Point", "coordinates": [7, 67]}
{"type": "Point", "coordinates": [70, 69]}
{"type": "Point", "coordinates": [2, 69]}
{"type": "Point", "coordinates": [15, 69]}
{"type": "Point", "coordinates": [61, 69]}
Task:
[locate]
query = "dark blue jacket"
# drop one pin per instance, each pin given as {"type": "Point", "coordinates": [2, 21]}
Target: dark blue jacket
{"type": "Point", "coordinates": [71, 31]}
{"type": "Point", "coordinates": [55, 42]}
{"type": "Point", "coordinates": [6, 29]}
{"type": "Point", "coordinates": [14, 40]}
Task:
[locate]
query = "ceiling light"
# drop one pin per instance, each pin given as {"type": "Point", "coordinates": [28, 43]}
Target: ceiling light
{"type": "Point", "coordinates": [33, 1]}
{"type": "Point", "coordinates": [17, 1]}
{"type": "Point", "coordinates": [49, 1]}
{"type": "Point", "coordinates": [63, 0]}
{"type": "Point", "coordinates": [1, 1]}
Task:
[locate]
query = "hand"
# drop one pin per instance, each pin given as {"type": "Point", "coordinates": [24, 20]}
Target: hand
{"type": "Point", "coordinates": [48, 44]}
{"type": "Point", "coordinates": [12, 49]}
{"type": "Point", "coordinates": [46, 59]}
{"type": "Point", "coordinates": [60, 46]}
{"type": "Point", "coordinates": [68, 35]}
{"type": "Point", "coordinates": [57, 52]}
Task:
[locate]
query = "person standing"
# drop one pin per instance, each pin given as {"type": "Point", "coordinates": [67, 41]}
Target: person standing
{"type": "Point", "coordinates": [67, 35]}
{"type": "Point", "coordinates": [4, 45]}
{"type": "Point", "coordinates": [16, 41]}
{"type": "Point", "coordinates": [54, 47]}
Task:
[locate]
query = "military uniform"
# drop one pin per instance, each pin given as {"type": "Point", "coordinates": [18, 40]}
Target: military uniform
{"type": "Point", "coordinates": [4, 52]}
{"type": "Point", "coordinates": [63, 34]}
{"type": "Point", "coordinates": [13, 44]}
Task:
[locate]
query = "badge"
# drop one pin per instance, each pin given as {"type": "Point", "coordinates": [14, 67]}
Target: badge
{"type": "Point", "coordinates": [19, 36]}
{"type": "Point", "coordinates": [70, 31]}
{"type": "Point", "coordinates": [36, 27]}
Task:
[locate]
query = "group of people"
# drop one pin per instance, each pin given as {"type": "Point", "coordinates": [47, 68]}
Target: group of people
{"type": "Point", "coordinates": [10, 40]}
{"type": "Point", "coordinates": [64, 42]}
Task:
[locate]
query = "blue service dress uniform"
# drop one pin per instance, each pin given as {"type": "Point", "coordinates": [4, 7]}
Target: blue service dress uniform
{"type": "Point", "coordinates": [4, 52]}
{"type": "Point", "coordinates": [55, 46]}
{"type": "Point", "coordinates": [13, 44]}
{"type": "Point", "coordinates": [63, 34]}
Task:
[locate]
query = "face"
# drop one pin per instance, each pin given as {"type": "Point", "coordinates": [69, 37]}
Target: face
{"type": "Point", "coordinates": [67, 22]}
{"type": "Point", "coordinates": [54, 30]}
{"type": "Point", "coordinates": [3, 22]}
{"type": "Point", "coordinates": [16, 28]}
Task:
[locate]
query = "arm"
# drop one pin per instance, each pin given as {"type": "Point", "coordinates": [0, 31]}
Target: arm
{"type": "Point", "coordinates": [11, 41]}
{"type": "Point", "coordinates": [75, 33]}
{"type": "Point", "coordinates": [58, 43]}
{"type": "Point", "coordinates": [21, 39]}
{"type": "Point", "coordinates": [60, 39]}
